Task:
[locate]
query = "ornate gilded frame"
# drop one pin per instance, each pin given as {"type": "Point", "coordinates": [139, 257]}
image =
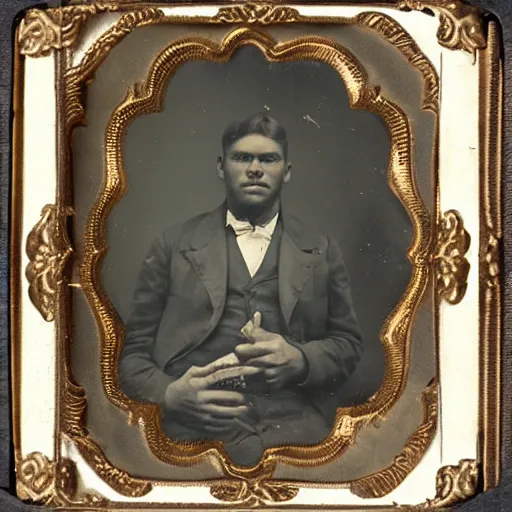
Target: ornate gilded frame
{"type": "Point", "coordinates": [439, 247]}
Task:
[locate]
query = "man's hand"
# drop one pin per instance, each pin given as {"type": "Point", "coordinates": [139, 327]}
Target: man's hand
{"type": "Point", "coordinates": [283, 362]}
{"type": "Point", "coordinates": [212, 410]}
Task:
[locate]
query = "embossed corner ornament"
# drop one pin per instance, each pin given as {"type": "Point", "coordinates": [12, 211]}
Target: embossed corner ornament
{"type": "Point", "coordinates": [451, 266]}
{"type": "Point", "coordinates": [48, 249]}
{"type": "Point", "coordinates": [454, 484]}
{"type": "Point", "coordinates": [460, 25]}
{"type": "Point", "coordinates": [50, 483]}
{"type": "Point", "coordinates": [42, 31]}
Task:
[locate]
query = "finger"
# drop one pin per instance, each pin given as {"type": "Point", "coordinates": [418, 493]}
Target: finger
{"type": "Point", "coordinates": [253, 323]}
{"type": "Point", "coordinates": [227, 373]}
{"type": "Point", "coordinates": [248, 350]}
{"type": "Point", "coordinates": [271, 373]}
{"type": "Point", "coordinates": [259, 334]}
{"type": "Point", "coordinates": [221, 397]}
{"type": "Point", "coordinates": [256, 320]}
{"type": "Point", "coordinates": [195, 371]}
{"type": "Point", "coordinates": [245, 350]}
{"type": "Point", "coordinates": [275, 382]}
{"type": "Point", "coordinates": [247, 329]}
{"type": "Point", "coordinates": [221, 411]}
{"type": "Point", "coordinates": [223, 362]}
{"type": "Point", "coordinates": [198, 372]}
{"type": "Point", "coordinates": [262, 336]}
{"type": "Point", "coordinates": [266, 361]}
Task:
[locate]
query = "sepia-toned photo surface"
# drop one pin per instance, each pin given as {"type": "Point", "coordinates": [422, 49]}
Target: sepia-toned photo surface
{"type": "Point", "coordinates": [255, 289]}
{"type": "Point", "coordinates": [256, 254]}
{"type": "Point", "coordinates": [241, 251]}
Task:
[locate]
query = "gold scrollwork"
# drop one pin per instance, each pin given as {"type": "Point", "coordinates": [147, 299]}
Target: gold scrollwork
{"type": "Point", "coordinates": [50, 483]}
{"type": "Point", "coordinates": [384, 25]}
{"type": "Point", "coordinates": [383, 482]}
{"type": "Point", "coordinates": [400, 39]}
{"type": "Point", "coordinates": [397, 327]}
{"type": "Point", "coordinates": [460, 25]}
{"type": "Point", "coordinates": [451, 266]}
{"type": "Point", "coordinates": [460, 28]}
{"type": "Point", "coordinates": [73, 410]}
{"type": "Point", "coordinates": [116, 478]}
{"type": "Point", "coordinates": [261, 13]}
{"type": "Point", "coordinates": [48, 249]}
{"type": "Point", "coordinates": [492, 260]}
{"type": "Point", "coordinates": [53, 29]}
{"type": "Point", "coordinates": [454, 484]}
{"type": "Point", "coordinates": [491, 233]}
{"type": "Point", "coordinates": [346, 428]}
{"type": "Point", "coordinates": [148, 98]}
{"type": "Point", "coordinates": [76, 77]}
{"type": "Point", "coordinates": [254, 492]}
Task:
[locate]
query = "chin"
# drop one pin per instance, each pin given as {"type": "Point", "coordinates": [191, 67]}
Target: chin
{"type": "Point", "coordinates": [255, 202]}
{"type": "Point", "coordinates": [252, 205]}
{"type": "Point", "coordinates": [260, 198]}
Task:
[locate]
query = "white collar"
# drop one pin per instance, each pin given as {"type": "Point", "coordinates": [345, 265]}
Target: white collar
{"type": "Point", "coordinates": [269, 227]}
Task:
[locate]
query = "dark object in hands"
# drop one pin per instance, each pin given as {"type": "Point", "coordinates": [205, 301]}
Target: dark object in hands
{"type": "Point", "coordinates": [232, 384]}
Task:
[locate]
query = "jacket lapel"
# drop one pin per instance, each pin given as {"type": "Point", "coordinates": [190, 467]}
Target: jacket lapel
{"type": "Point", "coordinates": [298, 256]}
{"type": "Point", "coordinates": [207, 253]}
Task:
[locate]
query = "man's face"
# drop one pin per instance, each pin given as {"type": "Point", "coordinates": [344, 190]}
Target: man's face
{"type": "Point", "coordinates": [254, 170]}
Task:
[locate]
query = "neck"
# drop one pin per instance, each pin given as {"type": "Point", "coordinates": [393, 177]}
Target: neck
{"type": "Point", "coordinates": [256, 215]}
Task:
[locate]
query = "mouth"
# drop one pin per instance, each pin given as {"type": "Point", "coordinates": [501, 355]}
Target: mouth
{"type": "Point", "coordinates": [255, 185]}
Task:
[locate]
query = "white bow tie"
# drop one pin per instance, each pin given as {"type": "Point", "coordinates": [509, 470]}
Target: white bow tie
{"type": "Point", "coordinates": [243, 227]}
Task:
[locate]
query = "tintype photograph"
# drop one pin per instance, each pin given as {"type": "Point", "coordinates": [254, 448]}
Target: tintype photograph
{"type": "Point", "coordinates": [258, 218]}
{"type": "Point", "coordinates": [245, 269]}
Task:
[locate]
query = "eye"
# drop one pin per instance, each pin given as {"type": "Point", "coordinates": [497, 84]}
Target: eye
{"type": "Point", "coordinates": [241, 157]}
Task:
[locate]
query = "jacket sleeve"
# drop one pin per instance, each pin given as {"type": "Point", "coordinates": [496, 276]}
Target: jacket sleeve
{"type": "Point", "coordinates": [334, 358]}
{"type": "Point", "coordinates": [140, 377]}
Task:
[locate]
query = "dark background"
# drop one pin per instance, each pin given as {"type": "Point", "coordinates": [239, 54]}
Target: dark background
{"type": "Point", "coordinates": [499, 500]}
{"type": "Point", "coordinates": [339, 180]}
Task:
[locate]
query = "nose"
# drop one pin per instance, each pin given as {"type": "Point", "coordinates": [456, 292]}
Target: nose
{"type": "Point", "coordinates": [254, 170]}
{"type": "Point", "coordinates": [254, 174]}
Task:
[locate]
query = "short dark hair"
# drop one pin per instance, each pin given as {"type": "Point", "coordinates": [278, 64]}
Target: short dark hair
{"type": "Point", "coordinates": [262, 124]}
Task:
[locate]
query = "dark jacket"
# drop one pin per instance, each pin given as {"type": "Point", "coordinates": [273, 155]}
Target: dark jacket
{"type": "Point", "coordinates": [181, 292]}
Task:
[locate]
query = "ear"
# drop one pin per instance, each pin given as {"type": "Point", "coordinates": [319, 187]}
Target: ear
{"type": "Point", "coordinates": [288, 173]}
{"type": "Point", "coordinates": [220, 168]}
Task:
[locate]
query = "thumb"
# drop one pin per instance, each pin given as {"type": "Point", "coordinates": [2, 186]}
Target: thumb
{"type": "Point", "coordinates": [256, 321]}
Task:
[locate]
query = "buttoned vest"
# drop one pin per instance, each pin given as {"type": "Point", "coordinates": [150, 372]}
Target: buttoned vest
{"type": "Point", "coordinates": [244, 296]}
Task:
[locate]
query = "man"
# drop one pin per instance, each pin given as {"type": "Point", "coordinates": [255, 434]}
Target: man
{"type": "Point", "coordinates": [243, 328]}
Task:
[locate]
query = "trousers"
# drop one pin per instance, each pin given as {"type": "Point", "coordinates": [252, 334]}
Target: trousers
{"type": "Point", "coordinates": [280, 418]}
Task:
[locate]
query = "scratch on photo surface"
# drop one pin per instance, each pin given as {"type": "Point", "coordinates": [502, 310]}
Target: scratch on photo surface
{"type": "Point", "coordinates": [309, 119]}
